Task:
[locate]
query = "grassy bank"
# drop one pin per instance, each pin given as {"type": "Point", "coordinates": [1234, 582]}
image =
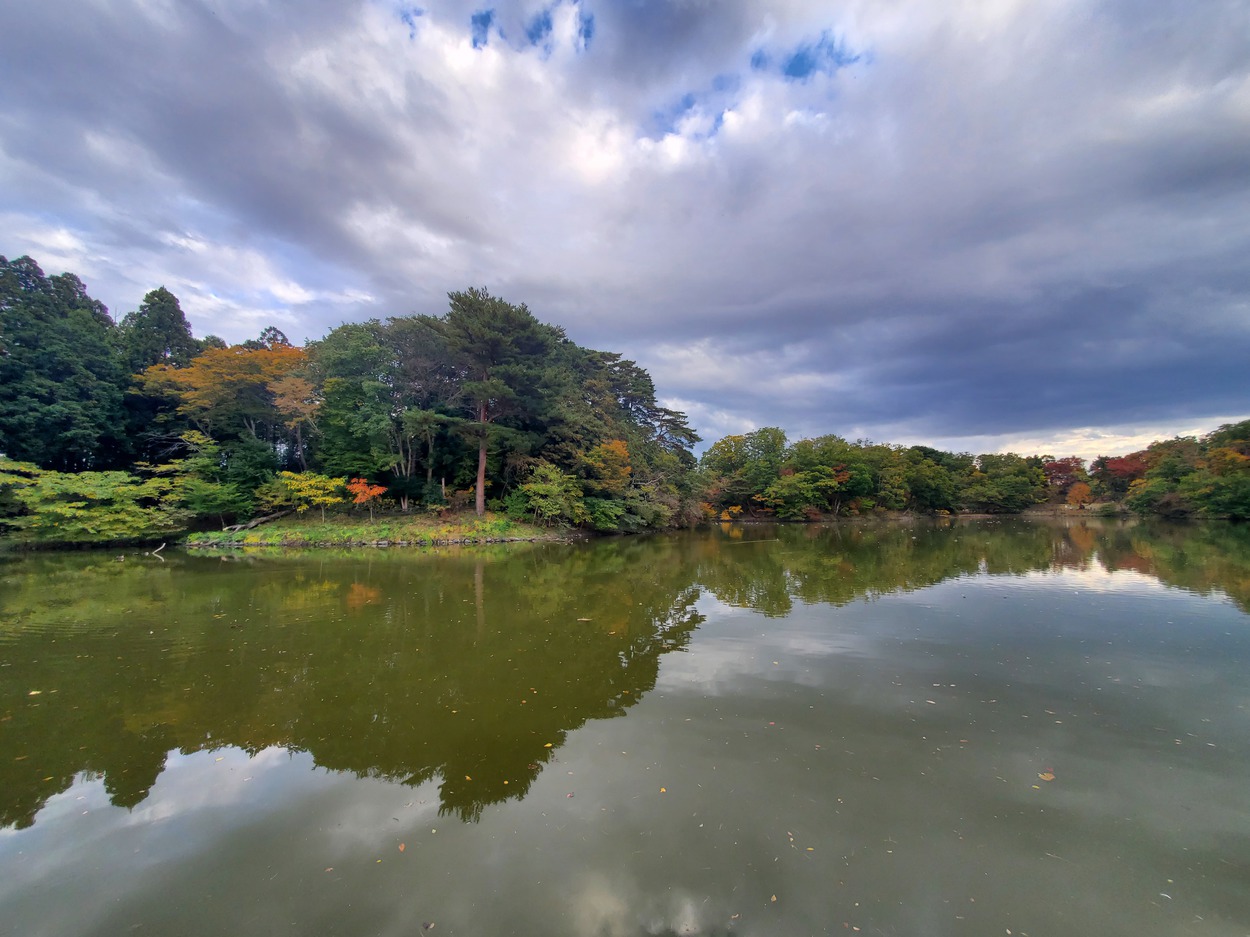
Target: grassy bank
{"type": "Point", "coordinates": [416, 530]}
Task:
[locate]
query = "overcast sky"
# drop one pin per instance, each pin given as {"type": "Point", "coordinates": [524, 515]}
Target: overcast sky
{"type": "Point", "coordinates": [977, 225]}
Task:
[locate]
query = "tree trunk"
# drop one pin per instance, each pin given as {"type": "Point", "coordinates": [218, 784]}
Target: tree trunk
{"type": "Point", "coordinates": [481, 463]}
{"type": "Point", "coordinates": [480, 503]}
{"type": "Point", "coordinates": [257, 522]}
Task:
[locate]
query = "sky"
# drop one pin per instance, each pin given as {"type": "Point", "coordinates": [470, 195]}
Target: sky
{"type": "Point", "coordinates": [981, 226]}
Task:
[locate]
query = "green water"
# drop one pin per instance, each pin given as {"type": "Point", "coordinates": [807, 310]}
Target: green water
{"type": "Point", "coordinates": [972, 728]}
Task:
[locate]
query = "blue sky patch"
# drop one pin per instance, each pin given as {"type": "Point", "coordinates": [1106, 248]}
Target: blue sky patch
{"type": "Point", "coordinates": [585, 27]}
{"type": "Point", "coordinates": [667, 118]}
{"type": "Point", "coordinates": [826, 55]}
{"type": "Point", "coordinates": [538, 30]}
{"type": "Point", "coordinates": [479, 25]}
{"type": "Point", "coordinates": [409, 17]}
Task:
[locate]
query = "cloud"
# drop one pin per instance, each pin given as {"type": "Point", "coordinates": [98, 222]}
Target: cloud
{"type": "Point", "coordinates": [966, 220]}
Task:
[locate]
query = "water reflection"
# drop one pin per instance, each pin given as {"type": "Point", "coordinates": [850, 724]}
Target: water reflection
{"type": "Point", "coordinates": [468, 668]}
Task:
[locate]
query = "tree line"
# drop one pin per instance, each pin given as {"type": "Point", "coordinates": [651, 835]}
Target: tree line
{"type": "Point", "coordinates": [122, 430]}
{"type": "Point", "coordinates": [759, 473]}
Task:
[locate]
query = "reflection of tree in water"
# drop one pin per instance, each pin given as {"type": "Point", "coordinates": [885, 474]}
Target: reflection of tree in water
{"type": "Point", "coordinates": [837, 564]}
{"type": "Point", "coordinates": [471, 667]}
{"type": "Point", "coordinates": [459, 666]}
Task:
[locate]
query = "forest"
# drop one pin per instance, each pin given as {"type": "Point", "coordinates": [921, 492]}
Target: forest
{"type": "Point", "coordinates": [136, 429]}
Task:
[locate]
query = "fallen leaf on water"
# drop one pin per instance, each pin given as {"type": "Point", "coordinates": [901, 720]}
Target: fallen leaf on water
{"type": "Point", "coordinates": [774, 899]}
{"type": "Point", "coordinates": [548, 745]}
{"type": "Point", "coordinates": [1047, 775]}
{"type": "Point", "coordinates": [734, 917]}
{"type": "Point", "coordinates": [467, 778]}
{"type": "Point", "coordinates": [664, 790]}
{"type": "Point", "coordinates": [401, 847]}
{"type": "Point", "coordinates": [330, 869]}
{"type": "Point", "coordinates": [34, 692]}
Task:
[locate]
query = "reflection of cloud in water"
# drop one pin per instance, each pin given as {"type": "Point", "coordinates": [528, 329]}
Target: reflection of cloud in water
{"type": "Point", "coordinates": [618, 908]}
{"type": "Point", "coordinates": [1093, 579]}
{"type": "Point", "coordinates": [220, 778]}
{"type": "Point", "coordinates": [739, 642]}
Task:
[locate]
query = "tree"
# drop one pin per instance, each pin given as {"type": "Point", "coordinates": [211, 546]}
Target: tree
{"type": "Point", "coordinates": [1062, 474]}
{"type": "Point", "coordinates": [554, 496]}
{"type": "Point", "coordinates": [499, 347]}
{"type": "Point", "coordinates": [229, 391]}
{"type": "Point", "coordinates": [389, 391]}
{"type": "Point", "coordinates": [797, 495]}
{"type": "Point", "coordinates": [308, 489]}
{"type": "Point", "coordinates": [90, 507]}
{"type": "Point", "coordinates": [201, 482]}
{"type": "Point", "coordinates": [1079, 495]}
{"type": "Point", "coordinates": [157, 333]}
{"type": "Point", "coordinates": [297, 401]}
{"type": "Point", "coordinates": [60, 381]}
{"type": "Point", "coordinates": [607, 468]}
{"type": "Point", "coordinates": [365, 493]}
{"type": "Point", "coordinates": [1112, 475]}
{"type": "Point", "coordinates": [1005, 483]}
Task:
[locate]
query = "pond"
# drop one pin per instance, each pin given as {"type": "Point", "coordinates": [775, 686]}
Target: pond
{"type": "Point", "coordinates": [976, 727]}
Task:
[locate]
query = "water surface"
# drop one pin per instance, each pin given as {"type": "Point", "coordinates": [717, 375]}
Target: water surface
{"type": "Point", "coordinates": [938, 729]}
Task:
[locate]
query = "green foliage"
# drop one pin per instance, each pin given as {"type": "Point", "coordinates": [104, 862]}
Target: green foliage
{"type": "Point", "coordinates": [1005, 483]}
{"type": "Point", "coordinates": [553, 496]}
{"type": "Point", "coordinates": [157, 333]}
{"type": "Point", "coordinates": [803, 494]}
{"type": "Point", "coordinates": [89, 507]}
{"type": "Point", "coordinates": [60, 380]}
{"type": "Point", "coordinates": [606, 515]}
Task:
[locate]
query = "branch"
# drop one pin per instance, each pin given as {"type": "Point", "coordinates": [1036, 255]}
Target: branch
{"type": "Point", "coordinates": [256, 522]}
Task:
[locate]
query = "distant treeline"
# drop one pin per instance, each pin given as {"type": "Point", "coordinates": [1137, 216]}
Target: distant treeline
{"type": "Point", "coordinates": [759, 473]}
{"type": "Point", "coordinates": [113, 431]}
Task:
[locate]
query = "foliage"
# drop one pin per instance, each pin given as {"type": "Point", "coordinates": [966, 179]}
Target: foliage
{"type": "Point", "coordinates": [157, 333]}
{"type": "Point", "coordinates": [363, 492]}
{"type": "Point", "coordinates": [308, 489]}
{"type": "Point", "coordinates": [229, 391]}
{"type": "Point", "coordinates": [1079, 495]}
{"type": "Point", "coordinates": [553, 496]}
{"type": "Point", "coordinates": [88, 507]}
{"type": "Point", "coordinates": [60, 379]}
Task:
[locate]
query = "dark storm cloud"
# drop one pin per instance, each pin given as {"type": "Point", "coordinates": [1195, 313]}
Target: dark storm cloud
{"type": "Point", "coordinates": [912, 221]}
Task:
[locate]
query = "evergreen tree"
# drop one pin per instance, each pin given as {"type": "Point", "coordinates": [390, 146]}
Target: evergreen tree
{"type": "Point", "coordinates": [60, 383]}
{"type": "Point", "coordinates": [157, 333]}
